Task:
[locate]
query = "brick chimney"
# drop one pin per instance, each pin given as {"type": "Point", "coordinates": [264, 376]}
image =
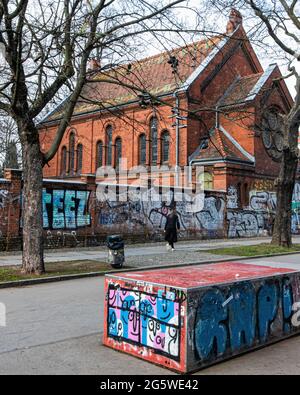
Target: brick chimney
{"type": "Point", "coordinates": [93, 65]}
{"type": "Point", "coordinates": [235, 19]}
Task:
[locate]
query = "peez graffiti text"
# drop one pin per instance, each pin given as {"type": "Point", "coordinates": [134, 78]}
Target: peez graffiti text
{"type": "Point", "coordinates": [65, 209]}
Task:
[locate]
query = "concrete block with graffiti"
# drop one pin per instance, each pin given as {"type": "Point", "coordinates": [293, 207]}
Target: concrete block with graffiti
{"type": "Point", "coordinates": [186, 320]}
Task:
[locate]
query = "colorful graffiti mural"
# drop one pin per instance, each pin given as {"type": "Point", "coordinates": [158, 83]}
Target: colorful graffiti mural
{"type": "Point", "coordinates": [145, 319]}
{"type": "Point", "coordinates": [65, 209]}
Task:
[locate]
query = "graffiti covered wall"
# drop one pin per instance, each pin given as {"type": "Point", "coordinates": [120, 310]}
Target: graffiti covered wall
{"type": "Point", "coordinates": [67, 216]}
{"type": "Point", "coordinates": [147, 212]}
{"type": "Point", "coordinates": [73, 215]}
{"type": "Point", "coordinates": [221, 215]}
{"type": "Point", "coordinates": [231, 319]}
{"type": "Point", "coordinates": [257, 218]}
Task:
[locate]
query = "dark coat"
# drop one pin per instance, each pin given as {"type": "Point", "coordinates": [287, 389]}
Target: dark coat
{"type": "Point", "coordinates": [171, 227]}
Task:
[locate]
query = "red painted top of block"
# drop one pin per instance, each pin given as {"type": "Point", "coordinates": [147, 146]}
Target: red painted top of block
{"type": "Point", "coordinates": [203, 275]}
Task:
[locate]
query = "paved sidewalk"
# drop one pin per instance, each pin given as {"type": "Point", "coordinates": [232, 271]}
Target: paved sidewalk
{"type": "Point", "coordinates": [57, 329]}
{"type": "Point", "coordinates": [147, 254]}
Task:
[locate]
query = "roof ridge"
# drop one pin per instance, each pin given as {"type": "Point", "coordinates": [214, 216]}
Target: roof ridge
{"type": "Point", "coordinates": [147, 58]}
{"type": "Point", "coordinates": [233, 141]}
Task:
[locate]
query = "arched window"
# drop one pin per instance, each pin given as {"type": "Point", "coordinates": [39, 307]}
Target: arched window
{"type": "Point", "coordinates": [206, 179]}
{"type": "Point", "coordinates": [79, 158]}
{"type": "Point", "coordinates": [109, 131]}
{"type": "Point", "coordinates": [142, 149]}
{"type": "Point", "coordinates": [63, 164]}
{"type": "Point", "coordinates": [99, 154]}
{"type": "Point", "coordinates": [118, 151]}
{"type": "Point", "coordinates": [71, 153]}
{"type": "Point", "coordinates": [272, 132]}
{"type": "Point", "coordinates": [165, 146]}
{"type": "Point", "coordinates": [153, 138]}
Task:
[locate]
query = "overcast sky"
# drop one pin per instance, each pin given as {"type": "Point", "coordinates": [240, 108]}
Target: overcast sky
{"type": "Point", "coordinates": [217, 20]}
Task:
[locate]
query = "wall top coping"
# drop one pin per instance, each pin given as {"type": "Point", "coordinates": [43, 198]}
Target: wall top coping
{"type": "Point", "coordinates": [54, 181]}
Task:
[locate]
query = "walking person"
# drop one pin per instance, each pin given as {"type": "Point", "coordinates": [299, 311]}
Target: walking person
{"type": "Point", "coordinates": [171, 227]}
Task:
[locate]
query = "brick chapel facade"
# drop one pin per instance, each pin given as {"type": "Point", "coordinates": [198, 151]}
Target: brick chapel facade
{"type": "Point", "coordinates": [226, 104]}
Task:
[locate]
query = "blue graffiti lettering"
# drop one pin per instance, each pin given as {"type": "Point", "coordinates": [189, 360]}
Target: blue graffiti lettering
{"type": "Point", "coordinates": [209, 328]}
{"type": "Point", "coordinates": [287, 304]}
{"type": "Point", "coordinates": [65, 209]}
{"type": "Point", "coordinates": [242, 316]}
{"type": "Point", "coordinates": [267, 308]}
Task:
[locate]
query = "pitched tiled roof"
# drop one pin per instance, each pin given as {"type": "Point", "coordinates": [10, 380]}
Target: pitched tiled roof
{"type": "Point", "coordinates": [220, 147]}
{"type": "Point", "coordinates": [239, 90]}
{"type": "Point", "coordinates": [153, 74]}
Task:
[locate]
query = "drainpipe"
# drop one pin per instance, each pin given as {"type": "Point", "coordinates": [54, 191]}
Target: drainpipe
{"type": "Point", "coordinates": [177, 102]}
{"type": "Point", "coordinates": [190, 170]}
{"type": "Point", "coordinates": [217, 124]}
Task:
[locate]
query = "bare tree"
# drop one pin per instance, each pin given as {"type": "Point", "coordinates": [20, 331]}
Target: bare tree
{"type": "Point", "coordinates": [47, 45]}
{"type": "Point", "coordinates": [274, 27]}
{"type": "Point", "coordinates": [281, 18]}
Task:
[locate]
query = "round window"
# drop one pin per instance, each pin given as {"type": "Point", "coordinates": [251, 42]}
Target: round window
{"type": "Point", "coordinates": [272, 136]}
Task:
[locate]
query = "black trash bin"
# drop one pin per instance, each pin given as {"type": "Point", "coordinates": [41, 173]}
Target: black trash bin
{"type": "Point", "coordinates": [116, 256]}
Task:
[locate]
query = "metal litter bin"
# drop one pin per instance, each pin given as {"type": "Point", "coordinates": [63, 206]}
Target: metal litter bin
{"type": "Point", "coordinates": [116, 256]}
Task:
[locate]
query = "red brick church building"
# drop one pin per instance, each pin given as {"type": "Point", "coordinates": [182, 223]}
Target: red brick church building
{"type": "Point", "coordinates": [226, 107]}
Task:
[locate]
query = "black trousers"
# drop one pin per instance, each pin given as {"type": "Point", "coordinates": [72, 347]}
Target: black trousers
{"type": "Point", "coordinates": [171, 236]}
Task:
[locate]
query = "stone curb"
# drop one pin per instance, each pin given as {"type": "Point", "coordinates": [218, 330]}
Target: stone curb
{"type": "Point", "coordinates": [35, 281]}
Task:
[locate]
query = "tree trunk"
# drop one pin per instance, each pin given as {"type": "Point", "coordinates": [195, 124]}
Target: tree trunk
{"type": "Point", "coordinates": [282, 232]}
{"type": "Point", "coordinates": [32, 210]}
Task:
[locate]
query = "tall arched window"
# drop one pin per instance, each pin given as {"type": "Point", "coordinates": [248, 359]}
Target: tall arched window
{"type": "Point", "coordinates": [165, 146]}
{"type": "Point", "coordinates": [153, 134]}
{"type": "Point", "coordinates": [109, 131]}
{"type": "Point", "coordinates": [71, 153]}
{"type": "Point", "coordinates": [79, 158]}
{"type": "Point", "coordinates": [142, 149]}
{"type": "Point", "coordinates": [118, 151]}
{"type": "Point", "coordinates": [99, 154]}
{"type": "Point", "coordinates": [63, 164]}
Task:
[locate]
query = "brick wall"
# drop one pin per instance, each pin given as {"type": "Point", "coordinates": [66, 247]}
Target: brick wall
{"type": "Point", "coordinates": [10, 201]}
